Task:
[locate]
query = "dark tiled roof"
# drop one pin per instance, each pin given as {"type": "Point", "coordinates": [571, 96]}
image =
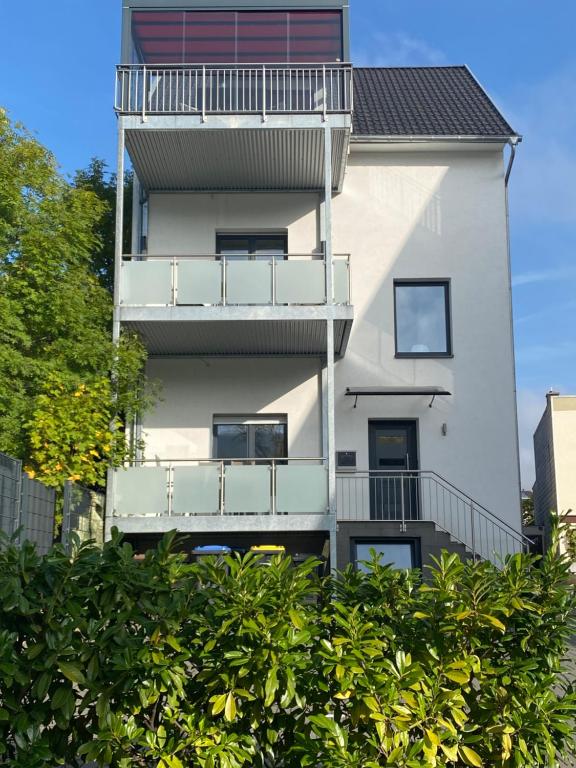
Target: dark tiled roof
{"type": "Point", "coordinates": [423, 101]}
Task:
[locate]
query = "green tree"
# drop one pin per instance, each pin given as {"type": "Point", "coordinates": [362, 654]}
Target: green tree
{"type": "Point", "coordinates": [55, 313]}
{"type": "Point", "coordinates": [96, 179]}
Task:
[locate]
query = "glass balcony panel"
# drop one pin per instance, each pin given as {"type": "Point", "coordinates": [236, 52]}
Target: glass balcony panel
{"type": "Point", "coordinates": [249, 282]}
{"type": "Point", "coordinates": [199, 282]}
{"type": "Point", "coordinates": [301, 490]}
{"type": "Point", "coordinates": [141, 491]}
{"type": "Point", "coordinates": [196, 490]}
{"type": "Point", "coordinates": [146, 282]}
{"type": "Point", "coordinates": [341, 282]}
{"type": "Point", "coordinates": [300, 281]}
{"type": "Point", "coordinates": [247, 490]}
{"type": "Point", "coordinates": [245, 279]}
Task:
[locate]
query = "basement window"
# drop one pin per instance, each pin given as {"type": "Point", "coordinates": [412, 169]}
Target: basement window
{"type": "Point", "coordinates": [398, 553]}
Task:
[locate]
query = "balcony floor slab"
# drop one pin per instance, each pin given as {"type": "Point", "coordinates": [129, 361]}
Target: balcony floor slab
{"type": "Point", "coordinates": [222, 523]}
{"type": "Point", "coordinates": [229, 331]}
{"type": "Point", "coordinates": [235, 152]}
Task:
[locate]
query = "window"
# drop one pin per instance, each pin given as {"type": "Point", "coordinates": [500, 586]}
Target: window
{"type": "Point", "coordinates": [250, 437]}
{"type": "Point", "coordinates": [422, 318]}
{"type": "Point", "coordinates": [176, 37]}
{"type": "Point", "coordinates": [399, 554]}
{"type": "Point", "coordinates": [252, 246]}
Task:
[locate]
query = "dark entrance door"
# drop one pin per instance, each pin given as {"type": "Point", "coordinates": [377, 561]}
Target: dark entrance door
{"type": "Point", "coordinates": [393, 481]}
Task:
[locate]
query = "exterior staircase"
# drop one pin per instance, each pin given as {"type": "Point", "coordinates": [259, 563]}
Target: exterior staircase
{"type": "Point", "coordinates": [425, 506]}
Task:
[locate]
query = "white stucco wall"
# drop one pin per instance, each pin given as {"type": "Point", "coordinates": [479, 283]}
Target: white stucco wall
{"type": "Point", "coordinates": [433, 215]}
{"type": "Point", "coordinates": [181, 224]}
{"type": "Point", "coordinates": [193, 391]}
{"type": "Point", "coordinates": [421, 214]}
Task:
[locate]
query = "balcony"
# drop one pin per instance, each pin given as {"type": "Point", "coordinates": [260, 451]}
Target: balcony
{"type": "Point", "coordinates": [214, 495]}
{"type": "Point", "coordinates": [238, 306]}
{"type": "Point", "coordinates": [235, 127]}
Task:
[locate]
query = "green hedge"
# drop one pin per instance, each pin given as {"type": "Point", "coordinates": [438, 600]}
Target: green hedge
{"type": "Point", "coordinates": [163, 663]}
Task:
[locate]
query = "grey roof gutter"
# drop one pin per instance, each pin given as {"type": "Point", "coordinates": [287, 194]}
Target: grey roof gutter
{"type": "Point", "coordinates": [413, 139]}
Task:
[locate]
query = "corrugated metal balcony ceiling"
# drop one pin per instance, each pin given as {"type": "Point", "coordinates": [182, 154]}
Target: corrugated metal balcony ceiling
{"type": "Point", "coordinates": [241, 338]}
{"type": "Point", "coordinates": [230, 159]}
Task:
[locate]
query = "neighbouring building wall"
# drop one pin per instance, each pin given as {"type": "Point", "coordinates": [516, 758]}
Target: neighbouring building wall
{"type": "Point", "coordinates": [545, 485]}
{"type": "Point", "coordinates": [564, 431]}
{"type": "Point", "coordinates": [195, 390]}
{"type": "Point", "coordinates": [433, 215]}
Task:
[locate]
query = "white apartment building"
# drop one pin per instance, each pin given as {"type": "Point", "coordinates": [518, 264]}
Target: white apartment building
{"type": "Point", "coordinates": [320, 273]}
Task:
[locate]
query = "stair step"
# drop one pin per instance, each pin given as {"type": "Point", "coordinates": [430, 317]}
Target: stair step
{"type": "Point", "coordinates": [446, 541]}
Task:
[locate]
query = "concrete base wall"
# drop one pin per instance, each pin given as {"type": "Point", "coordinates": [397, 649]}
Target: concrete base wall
{"type": "Point", "coordinates": [428, 541]}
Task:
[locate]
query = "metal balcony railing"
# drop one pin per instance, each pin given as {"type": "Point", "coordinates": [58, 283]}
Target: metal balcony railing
{"type": "Point", "coordinates": [191, 487]}
{"type": "Point", "coordinates": [234, 89]}
{"type": "Point", "coordinates": [407, 496]}
{"type": "Point", "coordinates": [226, 280]}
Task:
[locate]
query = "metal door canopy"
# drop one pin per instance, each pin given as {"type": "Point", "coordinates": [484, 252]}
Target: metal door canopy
{"type": "Point", "coordinates": [432, 392]}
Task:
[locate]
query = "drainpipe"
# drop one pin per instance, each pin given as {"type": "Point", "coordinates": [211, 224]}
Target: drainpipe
{"type": "Point", "coordinates": [513, 142]}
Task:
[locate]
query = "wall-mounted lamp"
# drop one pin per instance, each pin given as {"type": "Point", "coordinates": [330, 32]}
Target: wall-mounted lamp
{"type": "Point", "coordinates": [444, 429]}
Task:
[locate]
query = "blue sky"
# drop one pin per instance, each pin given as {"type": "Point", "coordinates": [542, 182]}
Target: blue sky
{"type": "Point", "coordinates": [58, 60]}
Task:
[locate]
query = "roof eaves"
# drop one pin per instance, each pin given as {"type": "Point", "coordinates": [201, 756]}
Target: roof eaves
{"type": "Point", "coordinates": [359, 138]}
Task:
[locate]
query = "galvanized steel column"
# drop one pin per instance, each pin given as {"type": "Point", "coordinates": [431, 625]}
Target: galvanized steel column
{"type": "Point", "coordinates": [328, 390]}
{"type": "Point", "coordinates": [119, 231]}
{"type": "Point", "coordinates": [136, 235]}
{"type": "Point", "coordinates": [118, 247]}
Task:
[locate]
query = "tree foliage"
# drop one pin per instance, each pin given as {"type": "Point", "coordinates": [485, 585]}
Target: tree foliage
{"type": "Point", "coordinates": [55, 313]}
{"type": "Point", "coordinates": [232, 663]}
{"type": "Point", "coordinates": [96, 179]}
{"type": "Point", "coordinates": [528, 510]}
{"type": "Point", "coordinates": [74, 434]}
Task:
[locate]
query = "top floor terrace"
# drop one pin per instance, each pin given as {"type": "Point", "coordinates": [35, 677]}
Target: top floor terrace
{"type": "Point", "coordinates": [162, 32]}
{"type": "Point", "coordinates": [212, 96]}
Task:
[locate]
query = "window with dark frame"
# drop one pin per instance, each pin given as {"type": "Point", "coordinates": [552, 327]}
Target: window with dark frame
{"type": "Point", "coordinates": [250, 437]}
{"type": "Point", "coordinates": [422, 318]}
{"type": "Point", "coordinates": [253, 247]}
{"type": "Point", "coordinates": [400, 553]}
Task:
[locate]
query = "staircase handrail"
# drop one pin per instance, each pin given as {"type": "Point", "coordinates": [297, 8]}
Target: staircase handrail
{"type": "Point", "coordinates": [464, 497]}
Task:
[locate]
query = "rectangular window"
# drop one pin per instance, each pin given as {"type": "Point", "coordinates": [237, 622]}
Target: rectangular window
{"type": "Point", "coordinates": [422, 318]}
{"type": "Point", "coordinates": [399, 554]}
{"type": "Point", "coordinates": [237, 37]}
{"type": "Point", "coordinates": [250, 437]}
{"type": "Point", "coordinates": [252, 247]}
